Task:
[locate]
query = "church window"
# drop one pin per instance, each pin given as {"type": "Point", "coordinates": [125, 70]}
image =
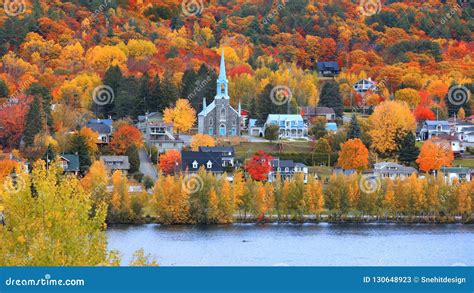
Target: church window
{"type": "Point", "coordinates": [211, 121]}
{"type": "Point", "coordinates": [223, 113]}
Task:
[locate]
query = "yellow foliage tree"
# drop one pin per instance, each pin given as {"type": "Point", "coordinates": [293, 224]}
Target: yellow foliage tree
{"type": "Point", "coordinates": [202, 140]}
{"type": "Point", "coordinates": [101, 58]}
{"type": "Point", "coordinates": [390, 121]}
{"type": "Point", "coordinates": [55, 227]}
{"type": "Point", "coordinates": [78, 91]}
{"type": "Point", "coordinates": [183, 116]}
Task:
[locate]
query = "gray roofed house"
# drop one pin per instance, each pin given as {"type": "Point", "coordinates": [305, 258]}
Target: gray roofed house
{"type": "Point", "coordinates": [114, 163]}
{"type": "Point", "coordinates": [328, 69]}
{"type": "Point", "coordinates": [70, 163]}
{"type": "Point", "coordinates": [287, 170]}
{"type": "Point", "coordinates": [393, 170]}
{"type": "Point", "coordinates": [103, 128]}
{"type": "Point", "coordinates": [313, 112]}
{"type": "Point", "coordinates": [158, 133]}
{"type": "Point", "coordinates": [458, 173]}
{"type": "Point", "coordinates": [432, 128]}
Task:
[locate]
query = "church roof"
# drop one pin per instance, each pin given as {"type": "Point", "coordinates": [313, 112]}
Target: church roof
{"type": "Point", "coordinates": [208, 109]}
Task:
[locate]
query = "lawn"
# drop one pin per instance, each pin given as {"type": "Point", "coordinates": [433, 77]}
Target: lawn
{"type": "Point", "coordinates": [469, 163]}
{"type": "Point", "coordinates": [246, 149]}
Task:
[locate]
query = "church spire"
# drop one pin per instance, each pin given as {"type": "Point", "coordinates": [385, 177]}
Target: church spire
{"type": "Point", "coordinates": [222, 72]}
{"type": "Point", "coordinates": [222, 82]}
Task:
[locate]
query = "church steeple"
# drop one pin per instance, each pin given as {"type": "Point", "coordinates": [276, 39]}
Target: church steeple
{"type": "Point", "coordinates": [222, 82]}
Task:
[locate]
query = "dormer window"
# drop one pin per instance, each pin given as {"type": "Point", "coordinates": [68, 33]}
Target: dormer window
{"type": "Point", "coordinates": [439, 127]}
{"type": "Point", "coordinates": [287, 169]}
{"type": "Point", "coordinates": [195, 165]}
{"type": "Point", "coordinates": [209, 165]}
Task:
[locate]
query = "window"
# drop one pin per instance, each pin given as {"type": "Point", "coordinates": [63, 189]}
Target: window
{"type": "Point", "coordinates": [195, 165]}
{"type": "Point", "coordinates": [287, 169]}
{"type": "Point", "coordinates": [234, 131]}
{"type": "Point", "coordinates": [234, 121]}
{"type": "Point", "coordinates": [223, 114]}
{"type": "Point", "coordinates": [211, 121]}
{"type": "Point", "coordinates": [209, 165]}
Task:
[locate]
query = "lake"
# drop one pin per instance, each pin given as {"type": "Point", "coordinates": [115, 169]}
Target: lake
{"type": "Point", "coordinates": [299, 244]}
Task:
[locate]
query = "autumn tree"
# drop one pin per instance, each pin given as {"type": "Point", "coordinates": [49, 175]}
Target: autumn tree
{"type": "Point", "coordinates": [353, 155]}
{"type": "Point", "coordinates": [170, 162]}
{"type": "Point", "coordinates": [124, 137]}
{"type": "Point", "coordinates": [54, 226]}
{"type": "Point", "coordinates": [389, 123]}
{"type": "Point", "coordinates": [90, 137]}
{"type": "Point", "coordinates": [259, 166]}
{"type": "Point", "coordinates": [202, 140]}
{"type": "Point", "coordinates": [183, 116]}
{"type": "Point", "coordinates": [96, 181]}
{"type": "Point", "coordinates": [408, 95]}
{"type": "Point", "coordinates": [433, 156]}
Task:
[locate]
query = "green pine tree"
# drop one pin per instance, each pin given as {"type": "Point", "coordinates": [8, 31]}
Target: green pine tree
{"type": "Point", "coordinates": [133, 158]}
{"type": "Point", "coordinates": [34, 122]}
{"type": "Point", "coordinates": [79, 147]}
{"type": "Point", "coordinates": [331, 97]}
{"type": "Point", "coordinates": [37, 89]}
{"type": "Point", "coordinates": [354, 128]}
{"type": "Point", "coordinates": [408, 150]}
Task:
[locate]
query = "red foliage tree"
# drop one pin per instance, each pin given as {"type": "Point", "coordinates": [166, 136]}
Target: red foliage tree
{"type": "Point", "coordinates": [12, 123]}
{"type": "Point", "coordinates": [170, 162]}
{"type": "Point", "coordinates": [423, 113]}
{"type": "Point", "coordinates": [259, 166]}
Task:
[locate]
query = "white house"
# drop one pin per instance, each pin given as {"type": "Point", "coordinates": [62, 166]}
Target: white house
{"type": "Point", "coordinates": [287, 169]}
{"type": "Point", "coordinates": [456, 145]}
{"type": "Point", "coordinates": [393, 170]}
{"type": "Point", "coordinates": [364, 85]}
{"type": "Point", "coordinates": [434, 128]}
{"type": "Point", "coordinates": [458, 173]}
{"type": "Point", "coordinates": [291, 126]}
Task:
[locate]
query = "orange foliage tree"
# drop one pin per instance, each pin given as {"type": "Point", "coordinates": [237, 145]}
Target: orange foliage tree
{"type": "Point", "coordinates": [125, 137]}
{"type": "Point", "coordinates": [353, 155]}
{"type": "Point", "coordinates": [434, 155]}
{"type": "Point", "coordinates": [259, 166]}
{"type": "Point", "coordinates": [170, 162]}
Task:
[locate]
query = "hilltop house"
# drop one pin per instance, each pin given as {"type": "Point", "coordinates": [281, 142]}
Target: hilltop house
{"type": "Point", "coordinates": [287, 169]}
{"type": "Point", "coordinates": [328, 69]}
{"type": "Point", "coordinates": [116, 163]}
{"type": "Point", "coordinates": [220, 118]}
{"type": "Point", "coordinates": [69, 163]}
{"type": "Point", "coordinates": [365, 85]}
{"type": "Point", "coordinates": [393, 170]}
{"type": "Point", "coordinates": [158, 133]}
{"type": "Point", "coordinates": [291, 126]}
{"type": "Point", "coordinates": [311, 113]}
{"type": "Point", "coordinates": [432, 128]}
{"type": "Point", "coordinates": [103, 127]}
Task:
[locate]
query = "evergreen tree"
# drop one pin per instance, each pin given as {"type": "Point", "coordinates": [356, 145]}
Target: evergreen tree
{"type": "Point", "coordinates": [50, 155]}
{"type": "Point", "coordinates": [266, 106]}
{"type": "Point", "coordinates": [79, 147]}
{"type": "Point", "coordinates": [133, 158]}
{"type": "Point", "coordinates": [408, 150]}
{"type": "Point", "coordinates": [154, 95]}
{"type": "Point", "coordinates": [3, 90]}
{"type": "Point", "coordinates": [169, 92]}
{"type": "Point", "coordinates": [188, 84]}
{"type": "Point", "coordinates": [354, 128]}
{"type": "Point", "coordinates": [331, 97]}
{"type": "Point", "coordinates": [126, 98]}
{"type": "Point", "coordinates": [113, 78]}
{"type": "Point", "coordinates": [34, 122]}
{"type": "Point", "coordinates": [37, 89]}
{"type": "Point", "coordinates": [143, 98]}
